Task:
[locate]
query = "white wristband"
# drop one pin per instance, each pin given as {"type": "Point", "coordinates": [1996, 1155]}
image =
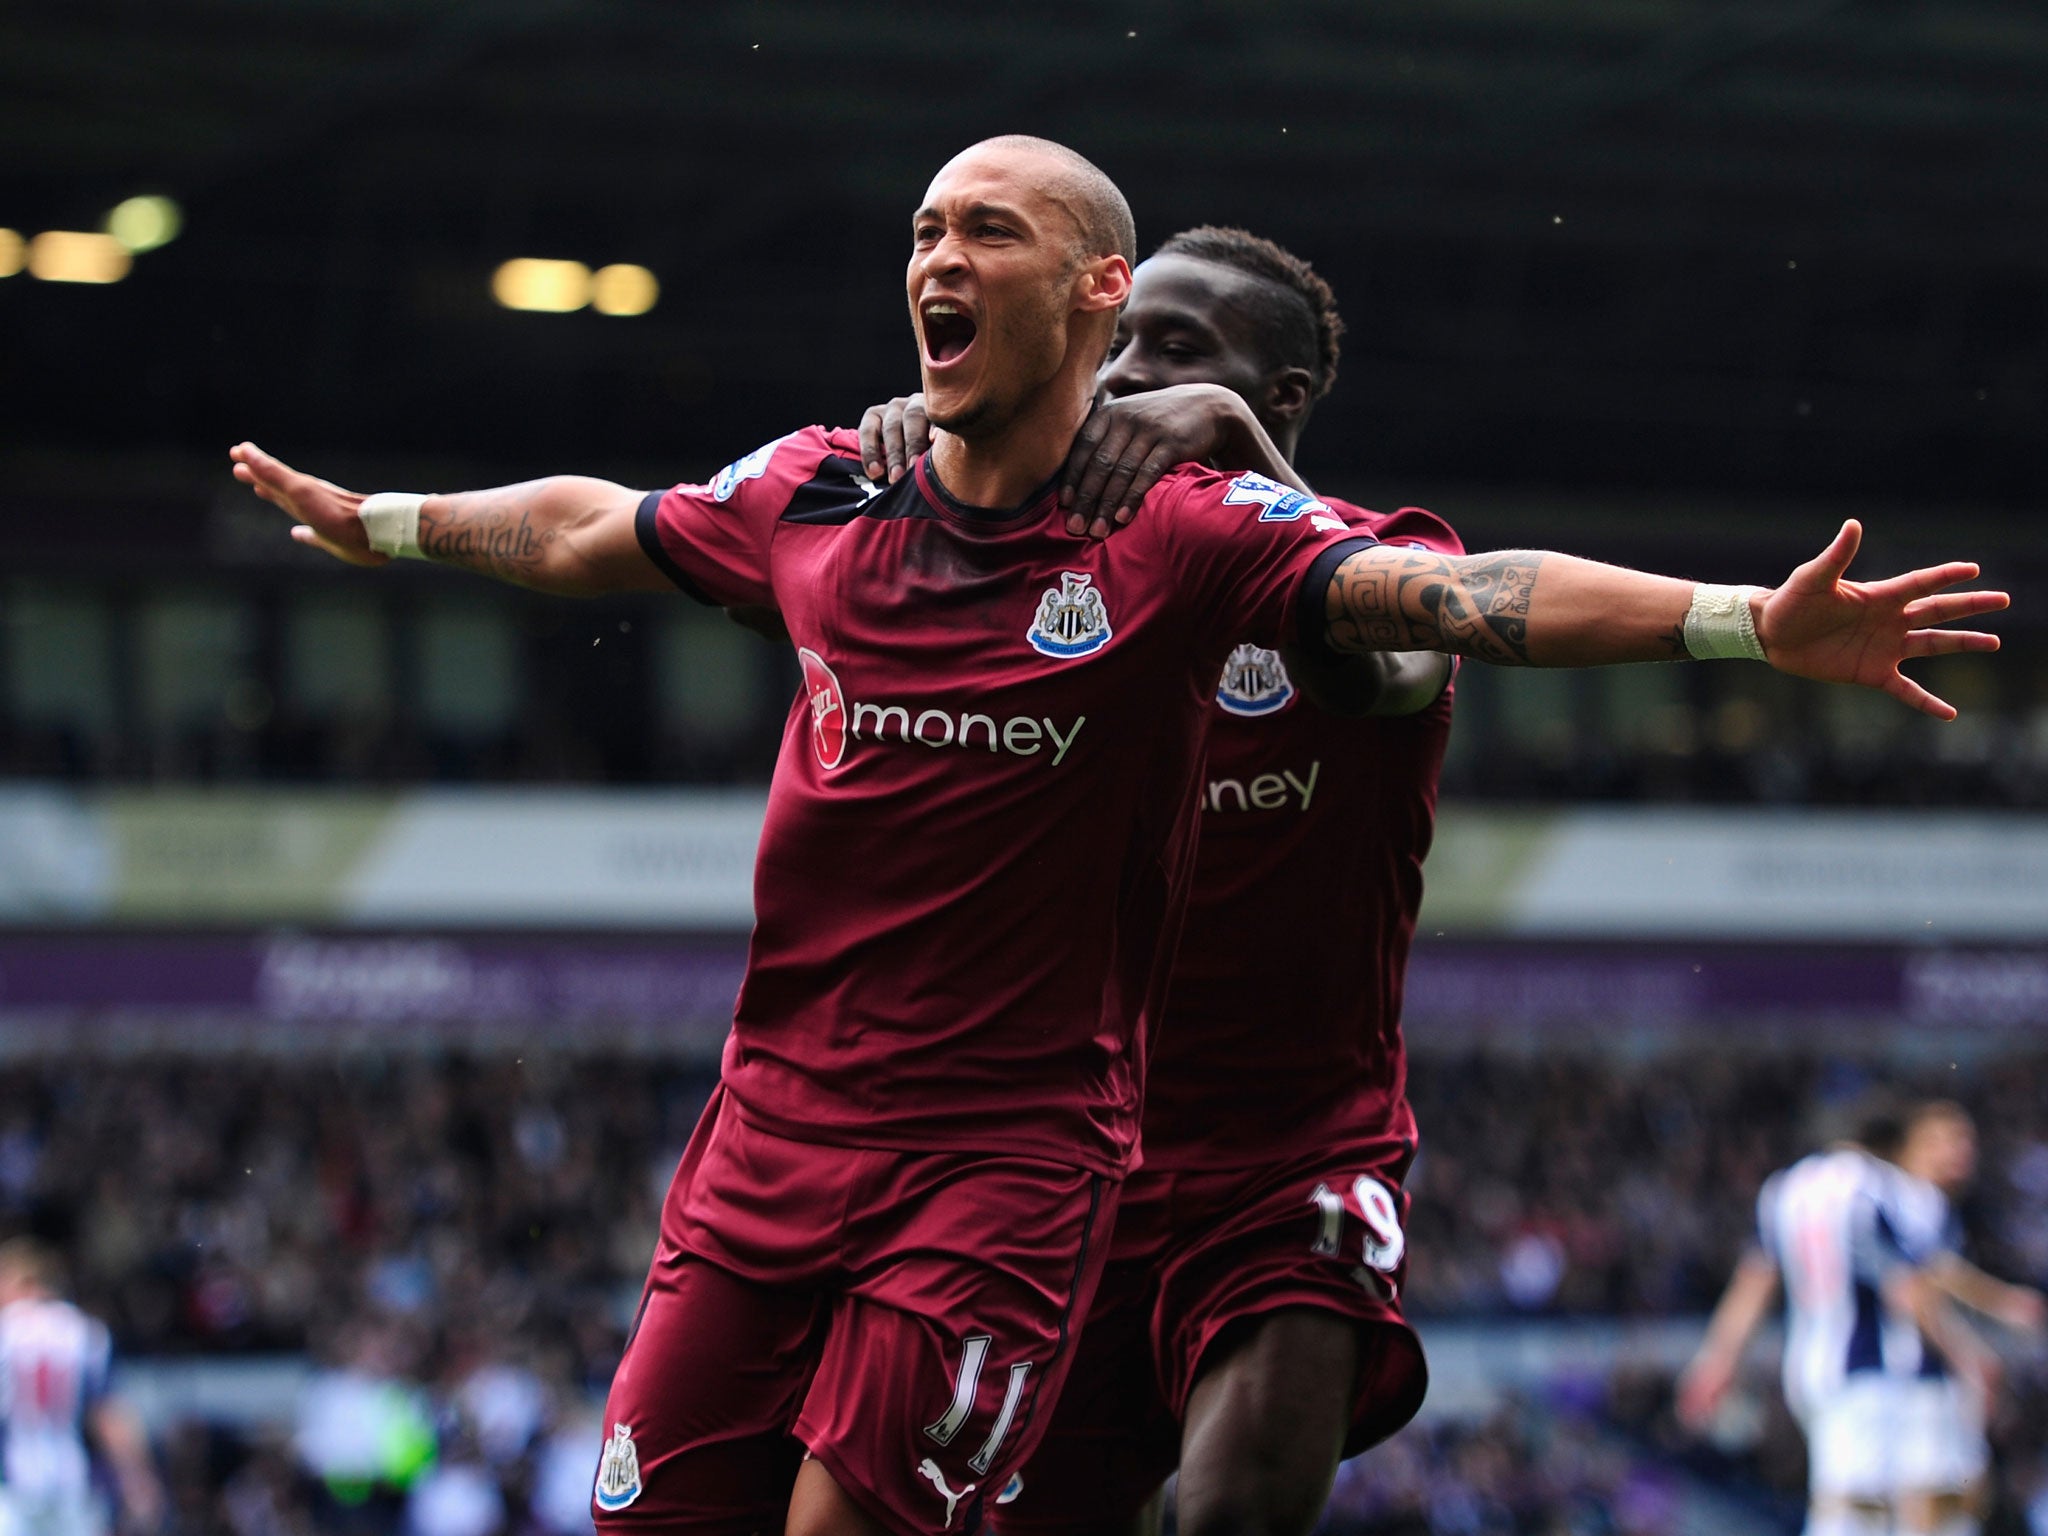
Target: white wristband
{"type": "Point", "coordinates": [1719, 625]}
{"type": "Point", "coordinates": [392, 520]}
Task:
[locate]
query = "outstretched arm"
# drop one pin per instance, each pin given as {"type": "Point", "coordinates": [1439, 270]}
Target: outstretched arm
{"type": "Point", "coordinates": [568, 535]}
{"type": "Point", "coordinates": [2018, 1307]}
{"type": "Point", "coordinates": [1914, 1292]}
{"type": "Point", "coordinates": [1736, 1319]}
{"type": "Point", "coordinates": [1536, 608]}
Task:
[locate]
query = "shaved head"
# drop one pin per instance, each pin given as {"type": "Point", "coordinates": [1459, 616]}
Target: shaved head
{"type": "Point", "coordinates": [1102, 219]}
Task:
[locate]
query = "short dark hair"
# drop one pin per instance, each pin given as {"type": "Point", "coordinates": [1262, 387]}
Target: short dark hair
{"type": "Point", "coordinates": [1923, 1110]}
{"type": "Point", "coordinates": [1299, 325]}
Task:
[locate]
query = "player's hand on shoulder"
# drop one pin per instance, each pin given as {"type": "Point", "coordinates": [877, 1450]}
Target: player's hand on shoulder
{"type": "Point", "coordinates": [892, 435]}
{"type": "Point", "coordinates": [326, 513]}
{"type": "Point", "coordinates": [1126, 446]}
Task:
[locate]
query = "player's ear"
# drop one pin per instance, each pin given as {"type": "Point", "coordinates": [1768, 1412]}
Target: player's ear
{"type": "Point", "coordinates": [1104, 284]}
{"type": "Point", "coordinates": [1289, 393]}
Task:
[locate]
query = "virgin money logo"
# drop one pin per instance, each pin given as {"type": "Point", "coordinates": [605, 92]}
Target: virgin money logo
{"type": "Point", "coordinates": [828, 709]}
{"type": "Point", "coordinates": [835, 722]}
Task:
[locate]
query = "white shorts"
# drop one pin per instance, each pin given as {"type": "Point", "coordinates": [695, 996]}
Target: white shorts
{"type": "Point", "coordinates": [67, 1515]}
{"type": "Point", "coordinates": [1941, 1445]}
{"type": "Point", "coordinates": [1852, 1440]}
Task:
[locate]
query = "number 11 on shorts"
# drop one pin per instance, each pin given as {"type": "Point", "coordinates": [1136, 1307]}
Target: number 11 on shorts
{"type": "Point", "coordinates": [974, 1355]}
{"type": "Point", "coordinates": [1385, 1242]}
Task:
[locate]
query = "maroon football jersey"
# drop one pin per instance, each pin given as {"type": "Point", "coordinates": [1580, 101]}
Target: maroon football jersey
{"type": "Point", "coordinates": [981, 828]}
{"type": "Point", "coordinates": [1282, 1027]}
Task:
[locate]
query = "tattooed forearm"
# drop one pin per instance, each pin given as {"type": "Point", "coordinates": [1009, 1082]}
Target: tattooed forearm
{"type": "Point", "coordinates": [494, 532]}
{"type": "Point", "coordinates": [1386, 599]}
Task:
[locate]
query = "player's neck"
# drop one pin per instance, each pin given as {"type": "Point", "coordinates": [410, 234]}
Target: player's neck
{"type": "Point", "coordinates": [1003, 468]}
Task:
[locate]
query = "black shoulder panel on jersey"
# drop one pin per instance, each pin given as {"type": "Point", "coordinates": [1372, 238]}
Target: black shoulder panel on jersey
{"type": "Point", "coordinates": [1312, 616]}
{"type": "Point", "coordinates": [840, 492]}
{"type": "Point", "coordinates": [647, 530]}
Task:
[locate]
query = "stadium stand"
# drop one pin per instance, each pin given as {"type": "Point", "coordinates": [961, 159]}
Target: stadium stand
{"type": "Point", "coordinates": [457, 1240]}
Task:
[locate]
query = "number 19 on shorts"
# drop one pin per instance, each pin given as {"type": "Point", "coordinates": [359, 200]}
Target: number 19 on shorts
{"type": "Point", "coordinates": [1384, 1242]}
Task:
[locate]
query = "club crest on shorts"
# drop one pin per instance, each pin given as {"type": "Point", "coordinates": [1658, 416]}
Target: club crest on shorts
{"type": "Point", "coordinates": [618, 1472]}
{"type": "Point", "coordinates": [1011, 1489]}
{"type": "Point", "coordinates": [1071, 619]}
{"type": "Point", "coordinates": [828, 708]}
{"type": "Point", "coordinates": [1255, 682]}
{"type": "Point", "coordinates": [752, 467]}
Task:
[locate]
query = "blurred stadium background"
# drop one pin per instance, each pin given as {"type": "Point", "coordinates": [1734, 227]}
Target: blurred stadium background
{"type": "Point", "coordinates": [365, 944]}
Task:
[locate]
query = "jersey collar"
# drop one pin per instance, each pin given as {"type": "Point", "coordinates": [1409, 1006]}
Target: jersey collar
{"type": "Point", "coordinates": [951, 507]}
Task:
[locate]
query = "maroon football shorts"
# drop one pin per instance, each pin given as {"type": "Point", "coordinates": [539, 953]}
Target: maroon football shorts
{"type": "Point", "coordinates": [1195, 1252]}
{"type": "Point", "coordinates": [906, 1317]}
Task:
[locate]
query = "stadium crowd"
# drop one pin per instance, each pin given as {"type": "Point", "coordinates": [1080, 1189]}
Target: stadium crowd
{"type": "Point", "coordinates": [457, 1242]}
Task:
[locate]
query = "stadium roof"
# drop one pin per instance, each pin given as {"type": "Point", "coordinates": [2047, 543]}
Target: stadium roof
{"type": "Point", "coordinates": [1774, 248]}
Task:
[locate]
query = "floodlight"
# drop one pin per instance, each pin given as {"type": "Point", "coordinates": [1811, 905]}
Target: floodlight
{"type": "Point", "coordinates": [144, 223]}
{"type": "Point", "coordinates": [551, 287]}
{"type": "Point", "coordinates": [624, 290]}
{"type": "Point", "coordinates": [76, 256]}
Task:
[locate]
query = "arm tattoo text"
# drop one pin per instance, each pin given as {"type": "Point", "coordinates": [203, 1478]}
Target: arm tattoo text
{"type": "Point", "coordinates": [488, 531]}
{"type": "Point", "coordinates": [1473, 605]}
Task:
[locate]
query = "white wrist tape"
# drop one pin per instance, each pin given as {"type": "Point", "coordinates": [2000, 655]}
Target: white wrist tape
{"type": "Point", "coordinates": [1719, 625]}
{"type": "Point", "coordinates": [392, 520]}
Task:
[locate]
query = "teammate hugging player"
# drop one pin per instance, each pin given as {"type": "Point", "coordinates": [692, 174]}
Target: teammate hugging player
{"type": "Point", "coordinates": [1248, 1326]}
{"type": "Point", "coordinates": [978, 844]}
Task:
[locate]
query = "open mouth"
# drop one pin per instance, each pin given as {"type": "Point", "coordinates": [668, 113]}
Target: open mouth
{"type": "Point", "coordinates": [948, 332]}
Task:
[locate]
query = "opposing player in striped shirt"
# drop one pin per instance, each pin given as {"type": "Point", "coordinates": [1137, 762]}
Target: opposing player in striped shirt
{"type": "Point", "coordinates": [1942, 1456]}
{"type": "Point", "coordinates": [56, 1410]}
{"type": "Point", "coordinates": [1860, 1315]}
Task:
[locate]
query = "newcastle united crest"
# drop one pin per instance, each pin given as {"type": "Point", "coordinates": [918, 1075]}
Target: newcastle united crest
{"type": "Point", "coordinates": [618, 1473]}
{"type": "Point", "coordinates": [1255, 682]}
{"type": "Point", "coordinates": [1071, 619]}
